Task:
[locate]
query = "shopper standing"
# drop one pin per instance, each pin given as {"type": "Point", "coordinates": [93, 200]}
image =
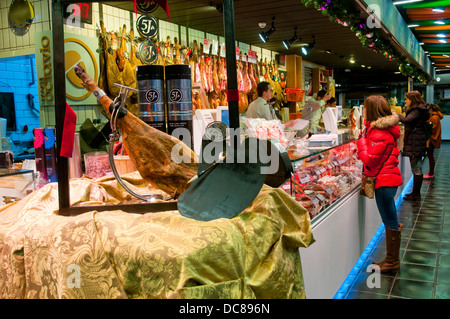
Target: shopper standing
{"type": "Point", "coordinates": [435, 140]}
{"type": "Point", "coordinates": [415, 141]}
{"type": "Point", "coordinates": [378, 150]}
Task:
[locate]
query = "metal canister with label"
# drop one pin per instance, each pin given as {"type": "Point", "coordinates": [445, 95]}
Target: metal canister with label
{"type": "Point", "coordinates": [151, 96]}
{"type": "Point", "coordinates": [179, 98]}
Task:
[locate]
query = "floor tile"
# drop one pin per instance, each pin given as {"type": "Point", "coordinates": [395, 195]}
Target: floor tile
{"type": "Point", "coordinates": [416, 272]}
{"type": "Point", "coordinates": [444, 248]}
{"type": "Point", "coordinates": [431, 246]}
{"type": "Point", "coordinates": [442, 291]}
{"type": "Point", "coordinates": [353, 294]}
{"type": "Point", "coordinates": [444, 260]}
{"type": "Point", "coordinates": [420, 257]}
{"type": "Point", "coordinates": [429, 226]}
{"type": "Point", "coordinates": [429, 218]}
{"type": "Point", "coordinates": [412, 289]}
{"type": "Point", "coordinates": [443, 275]}
{"type": "Point", "coordinates": [426, 235]}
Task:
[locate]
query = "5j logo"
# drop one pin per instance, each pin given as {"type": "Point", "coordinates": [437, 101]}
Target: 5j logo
{"type": "Point", "coordinates": [175, 95]}
{"type": "Point", "coordinates": [152, 96]}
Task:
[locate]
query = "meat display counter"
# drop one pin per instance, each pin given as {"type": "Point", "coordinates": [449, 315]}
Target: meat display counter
{"type": "Point", "coordinates": [323, 176]}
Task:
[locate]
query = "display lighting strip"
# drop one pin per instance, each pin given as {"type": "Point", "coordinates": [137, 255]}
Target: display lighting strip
{"type": "Point", "coordinates": [348, 282]}
{"type": "Point", "coordinates": [405, 1]}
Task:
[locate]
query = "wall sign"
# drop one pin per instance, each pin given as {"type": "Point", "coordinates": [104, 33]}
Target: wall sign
{"type": "Point", "coordinates": [147, 26]}
{"type": "Point", "coordinates": [77, 50]}
{"type": "Point", "coordinates": [146, 6]}
{"type": "Point", "coordinates": [148, 52]}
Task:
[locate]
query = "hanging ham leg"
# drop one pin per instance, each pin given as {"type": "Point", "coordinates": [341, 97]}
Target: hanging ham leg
{"type": "Point", "coordinates": [149, 149]}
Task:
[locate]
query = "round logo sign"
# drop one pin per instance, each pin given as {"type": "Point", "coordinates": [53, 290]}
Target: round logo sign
{"type": "Point", "coordinates": [146, 6]}
{"type": "Point", "coordinates": [78, 52]}
{"type": "Point", "coordinates": [148, 52]}
{"type": "Point", "coordinates": [152, 96]}
{"type": "Point", "coordinates": [147, 26]}
{"type": "Point", "coordinates": [175, 95]}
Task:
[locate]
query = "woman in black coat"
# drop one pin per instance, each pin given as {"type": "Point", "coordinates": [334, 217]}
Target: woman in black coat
{"type": "Point", "coordinates": [415, 141]}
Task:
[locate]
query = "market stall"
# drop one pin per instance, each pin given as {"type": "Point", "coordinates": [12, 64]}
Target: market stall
{"type": "Point", "coordinates": [93, 235]}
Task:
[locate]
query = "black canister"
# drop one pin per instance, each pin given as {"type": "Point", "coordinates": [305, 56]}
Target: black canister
{"type": "Point", "coordinates": [150, 79]}
{"type": "Point", "coordinates": [179, 98]}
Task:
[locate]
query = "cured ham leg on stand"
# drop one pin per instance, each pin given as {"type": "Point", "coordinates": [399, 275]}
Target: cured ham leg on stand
{"type": "Point", "coordinates": [149, 149]}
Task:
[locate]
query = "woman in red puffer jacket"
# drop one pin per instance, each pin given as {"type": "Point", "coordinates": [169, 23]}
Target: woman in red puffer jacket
{"type": "Point", "coordinates": [379, 153]}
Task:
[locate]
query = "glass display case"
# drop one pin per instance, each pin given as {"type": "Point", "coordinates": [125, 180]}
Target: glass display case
{"type": "Point", "coordinates": [323, 176]}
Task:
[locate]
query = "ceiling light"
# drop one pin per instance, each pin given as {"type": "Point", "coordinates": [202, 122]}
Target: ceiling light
{"type": "Point", "coordinates": [405, 1]}
{"type": "Point", "coordinates": [413, 25]}
{"type": "Point", "coordinates": [439, 22]}
{"type": "Point", "coordinates": [441, 35]}
{"type": "Point", "coordinates": [438, 10]}
{"type": "Point", "coordinates": [264, 35]}
{"type": "Point", "coordinates": [363, 66]}
{"type": "Point", "coordinates": [446, 55]}
{"type": "Point", "coordinates": [443, 41]}
{"type": "Point", "coordinates": [309, 47]}
{"type": "Point", "coordinates": [352, 60]}
{"type": "Point", "coordinates": [287, 43]}
{"type": "Point", "coordinates": [421, 43]}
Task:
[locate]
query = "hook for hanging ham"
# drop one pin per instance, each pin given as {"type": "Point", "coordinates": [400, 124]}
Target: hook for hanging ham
{"type": "Point", "coordinates": [117, 110]}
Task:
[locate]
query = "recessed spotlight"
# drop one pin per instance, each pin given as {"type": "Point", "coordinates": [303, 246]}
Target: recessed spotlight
{"type": "Point", "coordinates": [439, 22]}
{"type": "Point", "coordinates": [413, 25]}
{"type": "Point", "coordinates": [446, 55]}
{"type": "Point", "coordinates": [352, 60]}
{"type": "Point", "coordinates": [421, 43]}
{"type": "Point", "coordinates": [438, 10]}
{"type": "Point", "coordinates": [441, 35]}
{"type": "Point", "coordinates": [443, 41]}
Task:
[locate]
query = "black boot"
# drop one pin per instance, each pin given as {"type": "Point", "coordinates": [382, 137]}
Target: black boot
{"type": "Point", "coordinates": [415, 195]}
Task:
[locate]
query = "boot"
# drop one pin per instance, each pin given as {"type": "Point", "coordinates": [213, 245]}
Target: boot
{"type": "Point", "coordinates": [392, 260]}
{"type": "Point", "coordinates": [380, 262]}
{"type": "Point", "coordinates": [415, 195]}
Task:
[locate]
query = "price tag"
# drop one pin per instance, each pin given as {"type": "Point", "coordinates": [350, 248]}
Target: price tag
{"type": "Point", "coordinates": [206, 45]}
{"type": "Point", "coordinates": [215, 47]}
{"type": "Point", "coordinates": [238, 50]}
{"type": "Point", "coordinates": [320, 197]}
{"type": "Point", "coordinates": [252, 56]}
{"type": "Point", "coordinates": [222, 50]}
{"type": "Point", "coordinates": [304, 180]}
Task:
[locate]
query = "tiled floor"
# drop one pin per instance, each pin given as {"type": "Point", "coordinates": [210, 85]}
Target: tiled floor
{"type": "Point", "coordinates": [425, 245]}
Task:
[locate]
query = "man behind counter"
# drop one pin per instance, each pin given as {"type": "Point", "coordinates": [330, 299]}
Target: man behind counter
{"type": "Point", "coordinates": [260, 108]}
